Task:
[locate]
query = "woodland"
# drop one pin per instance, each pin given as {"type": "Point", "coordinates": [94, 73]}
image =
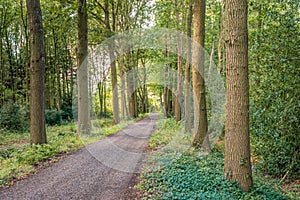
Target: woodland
{"type": "Point", "coordinates": [69, 68]}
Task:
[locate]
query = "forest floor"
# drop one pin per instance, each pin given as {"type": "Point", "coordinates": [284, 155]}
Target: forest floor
{"type": "Point", "coordinates": [107, 169]}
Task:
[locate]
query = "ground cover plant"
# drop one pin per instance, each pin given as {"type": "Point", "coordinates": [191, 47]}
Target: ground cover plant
{"type": "Point", "coordinates": [201, 177]}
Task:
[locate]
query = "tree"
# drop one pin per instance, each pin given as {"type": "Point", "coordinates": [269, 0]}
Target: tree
{"type": "Point", "coordinates": [200, 115]}
{"type": "Point", "coordinates": [82, 72]}
{"type": "Point", "coordinates": [237, 141]}
{"type": "Point", "coordinates": [37, 73]}
{"type": "Point", "coordinates": [187, 97]}
{"type": "Point", "coordinates": [178, 92]}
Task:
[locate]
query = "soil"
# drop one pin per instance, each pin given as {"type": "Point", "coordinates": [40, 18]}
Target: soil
{"type": "Point", "coordinates": [107, 169]}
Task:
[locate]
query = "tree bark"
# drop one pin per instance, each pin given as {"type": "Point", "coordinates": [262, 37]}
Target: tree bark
{"type": "Point", "coordinates": [37, 73]}
{"type": "Point", "coordinates": [178, 93]}
{"type": "Point", "coordinates": [113, 70]}
{"type": "Point", "coordinates": [200, 115]}
{"type": "Point", "coordinates": [82, 72]}
{"type": "Point", "coordinates": [123, 97]}
{"type": "Point", "coordinates": [237, 141]}
{"type": "Point", "coordinates": [187, 96]}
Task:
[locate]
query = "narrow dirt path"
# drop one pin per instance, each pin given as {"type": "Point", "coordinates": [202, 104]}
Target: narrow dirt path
{"type": "Point", "coordinates": [103, 170]}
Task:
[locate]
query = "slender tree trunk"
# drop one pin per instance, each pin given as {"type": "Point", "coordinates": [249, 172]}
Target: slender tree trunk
{"type": "Point", "coordinates": [37, 73]}
{"type": "Point", "coordinates": [114, 84]}
{"type": "Point", "coordinates": [221, 45]}
{"type": "Point", "coordinates": [82, 72]}
{"type": "Point", "coordinates": [113, 70]}
{"type": "Point", "coordinates": [26, 61]}
{"type": "Point", "coordinates": [187, 96]}
{"type": "Point", "coordinates": [145, 91]}
{"type": "Point", "coordinates": [123, 97]}
{"type": "Point", "coordinates": [131, 92]}
{"type": "Point", "coordinates": [178, 93]}
{"type": "Point", "coordinates": [237, 140]}
{"type": "Point", "coordinates": [135, 98]}
{"type": "Point", "coordinates": [200, 115]}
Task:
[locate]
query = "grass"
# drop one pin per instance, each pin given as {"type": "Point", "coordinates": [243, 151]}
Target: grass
{"type": "Point", "coordinates": [18, 158]}
{"type": "Point", "coordinates": [190, 176]}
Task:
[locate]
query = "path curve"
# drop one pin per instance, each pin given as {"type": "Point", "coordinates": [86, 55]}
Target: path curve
{"type": "Point", "coordinates": [82, 176]}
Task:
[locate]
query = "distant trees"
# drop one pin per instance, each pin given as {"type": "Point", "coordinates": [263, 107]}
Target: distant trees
{"type": "Point", "coordinates": [37, 73]}
{"type": "Point", "coordinates": [237, 138]}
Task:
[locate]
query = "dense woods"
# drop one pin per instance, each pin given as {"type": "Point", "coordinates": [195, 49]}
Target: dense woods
{"type": "Point", "coordinates": [49, 53]}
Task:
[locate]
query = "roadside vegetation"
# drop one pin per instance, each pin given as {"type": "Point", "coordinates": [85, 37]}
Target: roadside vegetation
{"type": "Point", "coordinates": [201, 177]}
{"type": "Point", "coordinates": [18, 158]}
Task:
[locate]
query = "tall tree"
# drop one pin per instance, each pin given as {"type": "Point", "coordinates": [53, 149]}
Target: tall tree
{"type": "Point", "coordinates": [113, 67]}
{"type": "Point", "coordinates": [237, 141]}
{"type": "Point", "coordinates": [200, 115]}
{"type": "Point", "coordinates": [82, 71]}
{"type": "Point", "coordinates": [178, 92]}
{"type": "Point", "coordinates": [187, 96]}
{"type": "Point", "coordinates": [37, 73]}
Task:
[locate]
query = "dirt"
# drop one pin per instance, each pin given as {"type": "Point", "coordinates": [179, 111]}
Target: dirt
{"type": "Point", "coordinates": [107, 169]}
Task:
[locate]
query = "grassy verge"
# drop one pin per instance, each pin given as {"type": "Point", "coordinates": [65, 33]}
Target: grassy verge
{"type": "Point", "coordinates": [194, 177]}
{"type": "Point", "coordinates": [18, 158]}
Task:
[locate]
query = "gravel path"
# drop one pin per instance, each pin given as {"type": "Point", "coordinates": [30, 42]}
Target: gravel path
{"type": "Point", "coordinates": [103, 170]}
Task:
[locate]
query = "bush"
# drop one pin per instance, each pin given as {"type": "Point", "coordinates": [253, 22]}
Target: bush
{"type": "Point", "coordinates": [275, 136]}
{"type": "Point", "coordinates": [14, 117]}
{"type": "Point", "coordinates": [66, 113]}
{"type": "Point", "coordinates": [53, 117]}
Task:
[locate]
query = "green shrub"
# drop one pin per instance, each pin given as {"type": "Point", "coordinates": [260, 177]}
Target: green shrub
{"type": "Point", "coordinates": [53, 117]}
{"type": "Point", "coordinates": [275, 136]}
{"type": "Point", "coordinates": [67, 113]}
{"type": "Point", "coordinates": [14, 117]}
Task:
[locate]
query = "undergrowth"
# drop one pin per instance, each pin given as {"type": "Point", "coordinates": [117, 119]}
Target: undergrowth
{"type": "Point", "coordinates": [200, 177]}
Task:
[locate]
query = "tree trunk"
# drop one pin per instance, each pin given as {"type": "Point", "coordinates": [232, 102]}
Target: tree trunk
{"type": "Point", "coordinates": [200, 115]}
{"type": "Point", "coordinates": [237, 141]}
{"type": "Point", "coordinates": [82, 72]}
{"type": "Point", "coordinates": [115, 99]}
{"type": "Point", "coordinates": [221, 45]}
{"type": "Point", "coordinates": [131, 86]}
{"type": "Point", "coordinates": [178, 93]}
{"type": "Point", "coordinates": [123, 97]}
{"type": "Point", "coordinates": [113, 70]}
{"type": "Point", "coordinates": [187, 96]}
{"type": "Point", "coordinates": [37, 73]}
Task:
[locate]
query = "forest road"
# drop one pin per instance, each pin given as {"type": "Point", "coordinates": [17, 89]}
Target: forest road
{"type": "Point", "coordinates": [103, 170]}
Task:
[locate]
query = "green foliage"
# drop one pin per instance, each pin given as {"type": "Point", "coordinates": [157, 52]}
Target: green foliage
{"type": "Point", "coordinates": [53, 117]}
{"type": "Point", "coordinates": [274, 86]}
{"type": "Point", "coordinates": [18, 157]}
{"type": "Point", "coordinates": [14, 117]}
{"type": "Point", "coordinates": [66, 113]}
{"type": "Point", "coordinates": [191, 177]}
{"type": "Point", "coordinates": [166, 129]}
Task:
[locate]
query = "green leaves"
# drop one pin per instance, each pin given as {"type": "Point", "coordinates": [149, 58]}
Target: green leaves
{"type": "Point", "coordinates": [190, 177]}
{"type": "Point", "coordinates": [274, 29]}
